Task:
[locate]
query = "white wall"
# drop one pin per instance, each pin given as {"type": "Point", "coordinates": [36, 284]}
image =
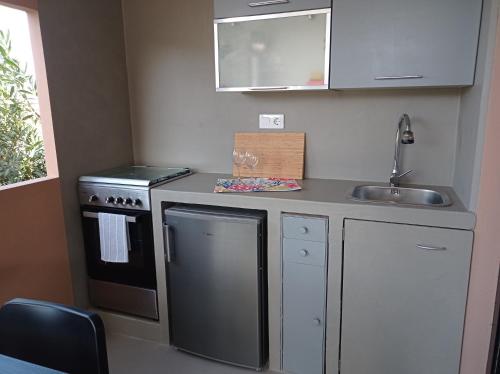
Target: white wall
{"type": "Point", "coordinates": [481, 323]}
{"type": "Point", "coordinates": [87, 80]}
{"type": "Point", "coordinates": [473, 111]}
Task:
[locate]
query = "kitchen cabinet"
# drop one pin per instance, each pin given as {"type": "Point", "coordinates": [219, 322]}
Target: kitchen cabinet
{"type": "Point", "coordinates": [273, 52]}
{"type": "Point", "coordinates": [404, 43]}
{"type": "Point", "coordinates": [404, 296]}
{"type": "Point", "coordinates": [239, 8]}
{"type": "Point", "coordinates": [304, 242]}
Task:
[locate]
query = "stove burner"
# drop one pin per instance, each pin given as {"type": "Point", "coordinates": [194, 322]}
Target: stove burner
{"type": "Point", "coordinates": [136, 175]}
{"type": "Point", "coordinates": [125, 187]}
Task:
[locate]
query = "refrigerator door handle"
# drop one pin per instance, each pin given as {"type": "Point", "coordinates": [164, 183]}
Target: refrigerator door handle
{"type": "Point", "coordinates": [167, 243]}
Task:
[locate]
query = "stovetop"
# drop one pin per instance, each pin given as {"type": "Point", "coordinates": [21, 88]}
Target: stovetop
{"type": "Point", "coordinates": [143, 176]}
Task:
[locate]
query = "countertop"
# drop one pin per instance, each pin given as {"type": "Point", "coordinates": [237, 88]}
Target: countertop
{"type": "Point", "coordinates": [318, 196]}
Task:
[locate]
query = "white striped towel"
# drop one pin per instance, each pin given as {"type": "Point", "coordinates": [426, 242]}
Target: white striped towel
{"type": "Point", "coordinates": [114, 237]}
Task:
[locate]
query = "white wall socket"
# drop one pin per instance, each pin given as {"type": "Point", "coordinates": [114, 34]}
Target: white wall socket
{"type": "Point", "coordinates": [272, 121]}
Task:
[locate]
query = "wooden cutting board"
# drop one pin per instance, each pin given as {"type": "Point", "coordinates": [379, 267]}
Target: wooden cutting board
{"type": "Point", "coordinates": [281, 155]}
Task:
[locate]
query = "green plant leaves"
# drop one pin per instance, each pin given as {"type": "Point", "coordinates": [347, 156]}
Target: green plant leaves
{"type": "Point", "coordinates": [22, 155]}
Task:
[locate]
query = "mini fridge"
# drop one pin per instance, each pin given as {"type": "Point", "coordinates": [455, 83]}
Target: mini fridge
{"type": "Point", "coordinates": [217, 283]}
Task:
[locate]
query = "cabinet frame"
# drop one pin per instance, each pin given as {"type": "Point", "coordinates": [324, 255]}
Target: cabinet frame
{"type": "Point", "coordinates": [326, 82]}
{"type": "Point", "coordinates": [324, 268]}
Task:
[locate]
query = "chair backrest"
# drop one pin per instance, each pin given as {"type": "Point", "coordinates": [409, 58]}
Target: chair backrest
{"type": "Point", "coordinates": [53, 335]}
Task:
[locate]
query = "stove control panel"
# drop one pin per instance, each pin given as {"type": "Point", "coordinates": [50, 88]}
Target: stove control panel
{"type": "Point", "coordinates": [114, 197]}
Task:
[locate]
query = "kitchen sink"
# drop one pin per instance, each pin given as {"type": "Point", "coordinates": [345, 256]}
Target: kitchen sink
{"type": "Point", "coordinates": [400, 195]}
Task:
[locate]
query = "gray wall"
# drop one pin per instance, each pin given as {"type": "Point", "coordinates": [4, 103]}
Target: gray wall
{"type": "Point", "coordinates": [473, 111]}
{"type": "Point", "coordinates": [85, 61]}
{"type": "Point", "coordinates": [179, 119]}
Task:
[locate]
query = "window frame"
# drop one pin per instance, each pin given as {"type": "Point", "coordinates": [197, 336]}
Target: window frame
{"type": "Point", "coordinates": [31, 8]}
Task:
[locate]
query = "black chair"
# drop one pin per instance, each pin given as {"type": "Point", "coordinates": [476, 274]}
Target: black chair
{"type": "Point", "coordinates": [53, 335]}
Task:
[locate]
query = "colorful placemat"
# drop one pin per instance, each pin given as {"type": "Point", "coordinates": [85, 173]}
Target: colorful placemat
{"type": "Point", "coordinates": [256, 185]}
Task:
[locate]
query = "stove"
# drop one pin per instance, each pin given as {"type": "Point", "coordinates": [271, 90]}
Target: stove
{"type": "Point", "coordinates": [128, 288]}
{"type": "Point", "coordinates": [126, 187]}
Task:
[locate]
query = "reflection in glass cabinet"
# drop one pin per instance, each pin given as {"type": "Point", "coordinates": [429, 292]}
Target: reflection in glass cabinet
{"type": "Point", "coordinates": [284, 51]}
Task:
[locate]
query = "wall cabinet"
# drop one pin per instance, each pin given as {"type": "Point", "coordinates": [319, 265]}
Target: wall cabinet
{"type": "Point", "coordinates": [404, 296]}
{"type": "Point", "coordinates": [285, 44]}
{"type": "Point", "coordinates": [285, 51]}
{"type": "Point", "coordinates": [304, 243]}
{"type": "Point", "coordinates": [404, 43]}
{"type": "Point", "coordinates": [240, 8]}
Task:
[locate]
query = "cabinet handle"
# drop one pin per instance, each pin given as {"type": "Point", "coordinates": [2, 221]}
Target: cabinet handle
{"type": "Point", "coordinates": [303, 230]}
{"type": "Point", "coordinates": [431, 248]}
{"type": "Point", "coordinates": [277, 88]}
{"type": "Point", "coordinates": [317, 322]}
{"type": "Point", "coordinates": [395, 77]}
{"type": "Point", "coordinates": [304, 252]}
{"type": "Point", "coordinates": [129, 219]}
{"type": "Point", "coordinates": [268, 2]}
{"type": "Point", "coordinates": [166, 242]}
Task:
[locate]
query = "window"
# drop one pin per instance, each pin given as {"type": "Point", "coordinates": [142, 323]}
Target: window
{"type": "Point", "coordinates": [24, 129]}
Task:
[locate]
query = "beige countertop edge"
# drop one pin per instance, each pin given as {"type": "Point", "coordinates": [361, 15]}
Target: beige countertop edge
{"type": "Point", "coordinates": [319, 196]}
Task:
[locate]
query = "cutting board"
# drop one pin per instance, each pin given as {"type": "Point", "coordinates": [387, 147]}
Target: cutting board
{"type": "Point", "coordinates": [281, 155]}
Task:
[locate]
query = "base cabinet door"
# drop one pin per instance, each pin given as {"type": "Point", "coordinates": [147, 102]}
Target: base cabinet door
{"type": "Point", "coordinates": [304, 294]}
{"type": "Point", "coordinates": [303, 322]}
{"type": "Point", "coordinates": [404, 297]}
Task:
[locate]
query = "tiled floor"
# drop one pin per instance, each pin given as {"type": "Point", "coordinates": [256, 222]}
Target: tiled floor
{"type": "Point", "coordinates": [128, 355]}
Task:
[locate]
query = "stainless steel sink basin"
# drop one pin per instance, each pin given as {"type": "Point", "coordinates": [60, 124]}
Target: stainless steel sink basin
{"type": "Point", "coordinates": [400, 195]}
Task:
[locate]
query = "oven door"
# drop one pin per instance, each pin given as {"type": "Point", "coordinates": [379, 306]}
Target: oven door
{"type": "Point", "coordinates": [140, 270]}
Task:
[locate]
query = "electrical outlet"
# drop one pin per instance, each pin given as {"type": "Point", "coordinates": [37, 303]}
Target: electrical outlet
{"type": "Point", "coordinates": [272, 121]}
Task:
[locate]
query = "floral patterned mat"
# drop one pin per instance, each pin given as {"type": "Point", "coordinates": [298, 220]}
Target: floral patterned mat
{"type": "Point", "coordinates": [256, 185]}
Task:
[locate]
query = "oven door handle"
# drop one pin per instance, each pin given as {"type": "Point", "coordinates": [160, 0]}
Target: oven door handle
{"type": "Point", "coordinates": [130, 219]}
{"type": "Point", "coordinates": [167, 243]}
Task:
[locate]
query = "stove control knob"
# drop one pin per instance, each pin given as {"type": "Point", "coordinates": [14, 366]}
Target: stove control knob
{"type": "Point", "coordinates": [127, 201]}
{"type": "Point", "coordinates": [119, 200]}
{"type": "Point", "coordinates": [110, 200]}
{"type": "Point", "coordinates": [93, 198]}
{"type": "Point", "coordinates": [136, 202]}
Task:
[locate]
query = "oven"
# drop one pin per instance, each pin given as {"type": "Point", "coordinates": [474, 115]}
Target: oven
{"type": "Point", "coordinates": [140, 270]}
{"type": "Point", "coordinates": [129, 286]}
{"type": "Point", "coordinates": [124, 287]}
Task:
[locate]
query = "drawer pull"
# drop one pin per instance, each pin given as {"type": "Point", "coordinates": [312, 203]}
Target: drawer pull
{"type": "Point", "coordinates": [303, 230]}
{"type": "Point", "coordinates": [304, 252]}
{"type": "Point", "coordinates": [276, 88]}
{"type": "Point", "coordinates": [396, 77]}
{"type": "Point", "coordinates": [431, 248]}
{"type": "Point", "coordinates": [268, 2]}
{"type": "Point", "coordinates": [317, 322]}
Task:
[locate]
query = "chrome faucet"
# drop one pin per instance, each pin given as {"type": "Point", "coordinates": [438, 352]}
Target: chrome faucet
{"type": "Point", "coordinates": [406, 138]}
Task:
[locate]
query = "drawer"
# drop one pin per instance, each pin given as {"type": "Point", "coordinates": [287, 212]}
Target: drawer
{"type": "Point", "coordinates": [240, 8]}
{"type": "Point", "coordinates": [305, 228]}
{"type": "Point", "coordinates": [304, 252]}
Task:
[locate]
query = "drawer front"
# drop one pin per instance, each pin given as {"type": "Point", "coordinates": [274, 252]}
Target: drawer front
{"type": "Point", "coordinates": [304, 228]}
{"type": "Point", "coordinates": [303, 319]}
{"type": "Point", "coordinates": [241, 8]}
{"type": "Point", "coordinates": [304, 252]}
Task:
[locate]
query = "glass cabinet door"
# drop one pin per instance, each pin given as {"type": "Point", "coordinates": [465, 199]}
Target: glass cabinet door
{"type": "Point", "coordinates": [286, 51]}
